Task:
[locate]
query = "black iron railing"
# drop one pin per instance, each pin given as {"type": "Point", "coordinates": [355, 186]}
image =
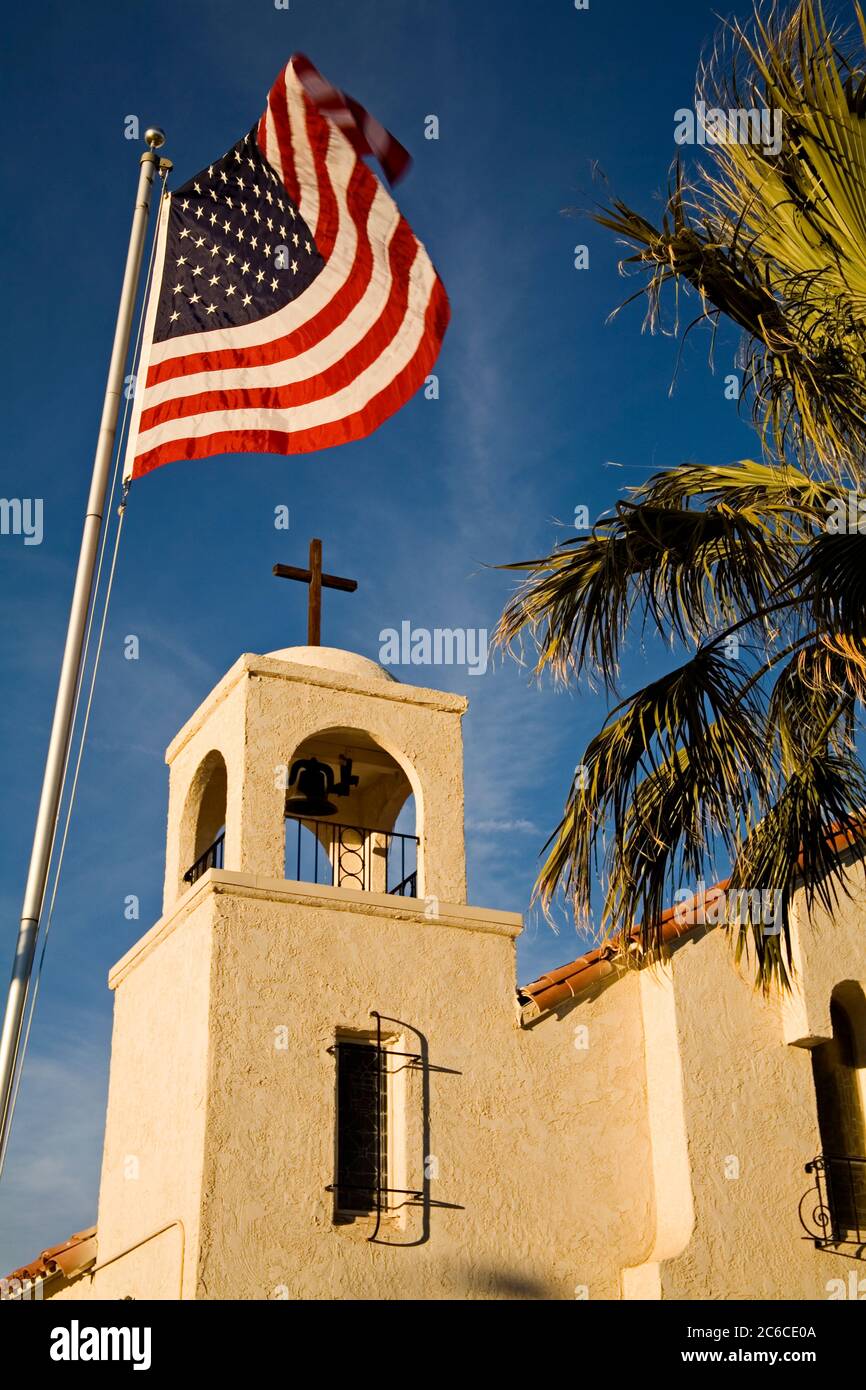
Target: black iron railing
{"type": "Point", "coordinates": [833, 1211]}
{"type": "Point", "coordinates": [352, 856]}
{"type": "Point", "coordinates": [211, 859]}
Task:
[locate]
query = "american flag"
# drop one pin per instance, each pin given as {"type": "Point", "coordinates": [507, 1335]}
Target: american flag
{"type": "Point", "coordinates": [292, 306]}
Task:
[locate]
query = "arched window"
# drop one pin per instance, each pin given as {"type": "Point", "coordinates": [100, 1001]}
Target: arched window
{"type": "Point", "coordinates": [839, 1074]}
{"type": "Point", "coordinates": [203, 826]}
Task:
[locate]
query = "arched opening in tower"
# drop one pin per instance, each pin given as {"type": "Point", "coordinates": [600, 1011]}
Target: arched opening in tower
{"type": "Point", "coordinates": [351, 816]}
{"type": "Point", "coordinates": [204, 819]}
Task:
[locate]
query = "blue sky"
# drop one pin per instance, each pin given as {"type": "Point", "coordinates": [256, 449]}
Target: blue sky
{"type": "Point", "coordinates": [543, 407]}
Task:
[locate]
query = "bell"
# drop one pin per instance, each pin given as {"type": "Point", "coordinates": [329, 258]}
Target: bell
{"type": "Point", "coordinates": [315, 780]}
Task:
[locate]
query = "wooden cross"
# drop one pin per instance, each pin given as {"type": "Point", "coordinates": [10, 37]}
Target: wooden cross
{"type": "Point", "coordinates": [317, 581]}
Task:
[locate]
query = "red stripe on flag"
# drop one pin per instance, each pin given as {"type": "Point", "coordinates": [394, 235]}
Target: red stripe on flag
{"type": "Point", "coordinates": [309, 334]}
{"type": "Point", "coordinates": [348, 368]}
{"type": "Point", "coordinates": [279, 109]}
{"type": "Point", "coordinates": [262, 134]}
{"type": "Point", "coordinates": [328, 224]}
{"type": "Point", "coordinates": [352, 427]}
{"type": "Point", "coordinates": [364, 133]}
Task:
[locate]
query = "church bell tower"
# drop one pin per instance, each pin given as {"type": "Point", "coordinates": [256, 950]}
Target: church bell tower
{"type": "Point", "coordinates": [269, 1114]}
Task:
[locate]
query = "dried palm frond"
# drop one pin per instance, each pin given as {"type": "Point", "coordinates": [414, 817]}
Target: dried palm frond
{"type": "Point", "coordinates": [775, 240]}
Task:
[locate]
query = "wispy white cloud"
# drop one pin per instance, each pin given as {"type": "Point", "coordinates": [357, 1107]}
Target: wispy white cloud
{"type": "Point", "coordinates": [496, 827]}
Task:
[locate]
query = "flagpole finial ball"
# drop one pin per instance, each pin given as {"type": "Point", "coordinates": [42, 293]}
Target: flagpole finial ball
{"type": "Point", "coordinates": [154, 138]}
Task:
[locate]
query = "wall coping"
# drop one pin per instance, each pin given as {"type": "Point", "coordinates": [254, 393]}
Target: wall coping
{"type": "Point", "coordinates": [227, 882]}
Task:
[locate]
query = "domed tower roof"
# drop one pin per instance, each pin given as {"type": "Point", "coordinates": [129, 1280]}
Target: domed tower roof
{"type": "Point", "coordinates": [333, 659]}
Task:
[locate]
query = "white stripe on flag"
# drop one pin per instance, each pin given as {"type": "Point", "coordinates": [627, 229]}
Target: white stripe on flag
{"type": "Point", "coordinates": [383, 212]}
{"type": "Point", "coordinates": [341, 403]}
{"type": "Point", "coordinates": [318, 358]}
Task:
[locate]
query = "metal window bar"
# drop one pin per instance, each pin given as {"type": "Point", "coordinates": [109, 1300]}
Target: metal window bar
{"type": "Point", "coordinates": [212, 858]}
{"type": "Point", "coordinates": [833, 1211]}
{"type": "Point", "coordinates": [350, 857]}
{"type": "Point", "coordinates": [362, 1126]}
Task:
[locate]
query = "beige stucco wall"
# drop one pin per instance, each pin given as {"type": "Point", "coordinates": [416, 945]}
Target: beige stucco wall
{"type": "Point", "coordinates": [523, 1128]}
{"type": "Point", "coordinates": [77, 1290]}
{"type": "Point", "coordinates": [645, 1142]}
{"type": "Point", "coordinates": [750, 1110]}
{"type": "Point", "coordinates": [150, 1189]}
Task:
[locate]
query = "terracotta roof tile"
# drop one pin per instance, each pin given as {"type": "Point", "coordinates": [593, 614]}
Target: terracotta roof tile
{"type": "Point", "coordinates": [578, 975]}
{"type": "Point", "coordinates": [570, 980]}
{"type": "Point", "coordinates": [71, 1258]}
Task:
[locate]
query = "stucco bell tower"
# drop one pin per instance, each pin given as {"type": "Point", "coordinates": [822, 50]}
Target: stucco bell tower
{"type": "Point", "coordinates": [230, 764]}
{"type": "Point", "coordinates": [308, 929]}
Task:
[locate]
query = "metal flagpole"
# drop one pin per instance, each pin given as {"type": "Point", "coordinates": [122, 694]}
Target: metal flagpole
{"type": "Point", "coordinates": [70, 670]}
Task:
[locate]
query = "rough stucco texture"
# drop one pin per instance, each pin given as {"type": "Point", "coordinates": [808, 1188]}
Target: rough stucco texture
{"type": "Point", "coordinates": [157, 1102]}
{"type": "Point", "coordinates": [750, 1113]}
{"type": "Point", "coordinates": [519, 1124]}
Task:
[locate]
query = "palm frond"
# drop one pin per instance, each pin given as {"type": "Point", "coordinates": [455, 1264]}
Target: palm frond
{"type": "Point", "coordinates": [793, 847]}
{"type": "Point", "coordinates": [748, 749]}
{"type": "Point", "coordinates": [832, 577]}
{"type": "Point", "coordinates": [775, 240]}
{"type": "Point", "coordinates": [682, 761]}
{"type": "Point", "coordinates": [813, 697]}
{"type": "Point", "coordinates": [693, 549]}
{"type": "Point", "coordinates": [708, 759]}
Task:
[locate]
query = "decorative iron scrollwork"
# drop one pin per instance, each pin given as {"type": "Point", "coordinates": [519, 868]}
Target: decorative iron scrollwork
{"type": "Point", "coordinates": [833, 1211]}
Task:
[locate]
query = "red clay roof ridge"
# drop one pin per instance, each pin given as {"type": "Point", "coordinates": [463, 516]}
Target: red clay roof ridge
{"type": "Point", "coordinates": [579, 975]}
{"type": "Point", "coordinates": [71, 1258]}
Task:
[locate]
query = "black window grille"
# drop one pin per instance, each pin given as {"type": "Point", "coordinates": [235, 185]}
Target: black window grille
{"type": "Point", "coordinates": [362, 1126]}
{"type": "Point", "coordinates": [836, 1208]}
{"type": "Point", "coordinates": [361, 1185]}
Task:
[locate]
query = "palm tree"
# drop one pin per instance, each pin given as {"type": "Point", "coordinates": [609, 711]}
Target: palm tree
{"type": "Point", "coordinates": [747, 749]}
